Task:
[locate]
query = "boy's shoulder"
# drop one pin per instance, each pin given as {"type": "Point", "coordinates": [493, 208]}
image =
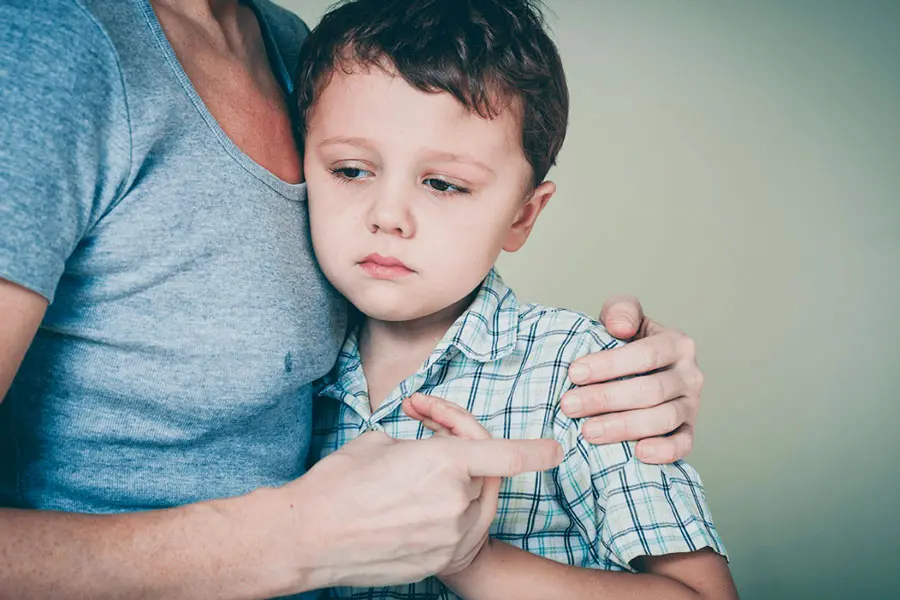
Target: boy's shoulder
{"type": "Point", "coordinates": [498, 328]}
{"type": "Point", "coordinates": [563, 336]}
{"type": "Point", "coordinates": [568, 333]}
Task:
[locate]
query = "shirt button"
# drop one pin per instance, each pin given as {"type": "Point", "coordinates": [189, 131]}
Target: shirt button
{"type": "Point", "coordinates": [375, 427]}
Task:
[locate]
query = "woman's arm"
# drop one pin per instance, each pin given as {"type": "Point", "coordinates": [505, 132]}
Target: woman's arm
{"type": "Point", "coordinates": [308, 534]}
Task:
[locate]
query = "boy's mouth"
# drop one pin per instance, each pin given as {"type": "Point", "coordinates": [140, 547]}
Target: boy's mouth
{"type": "Point", "coordinates": [384, 267]}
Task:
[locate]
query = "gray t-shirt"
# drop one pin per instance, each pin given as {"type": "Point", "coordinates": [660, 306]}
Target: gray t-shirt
{"type": "Point", "coordinates": [188, 316]}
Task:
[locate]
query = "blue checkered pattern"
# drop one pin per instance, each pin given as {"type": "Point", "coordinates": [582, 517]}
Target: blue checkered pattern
{"type": "Point", "coordinates": [507, 364]}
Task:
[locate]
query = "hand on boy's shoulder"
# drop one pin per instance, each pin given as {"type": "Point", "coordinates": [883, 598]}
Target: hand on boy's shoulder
{"type": "Point", "coordinates": [647, 391]}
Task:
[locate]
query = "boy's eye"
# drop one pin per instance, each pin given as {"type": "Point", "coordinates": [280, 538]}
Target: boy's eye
{"type": "Point", "coordinates": [444, 187]}
{"type": "Point", "coordinates": [349, 172]}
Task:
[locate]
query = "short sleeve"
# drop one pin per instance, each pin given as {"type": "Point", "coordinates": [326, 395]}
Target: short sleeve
{"type": "Point", "coordinates": [622, 507]}
{"type": "Point", "coordinates": [652, 510]}
{"type": "Point", "coordinates": [65, 145]}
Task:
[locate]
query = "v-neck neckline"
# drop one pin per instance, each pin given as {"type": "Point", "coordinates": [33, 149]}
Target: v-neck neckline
{"type": "Point", "coordinates": [291, 191]}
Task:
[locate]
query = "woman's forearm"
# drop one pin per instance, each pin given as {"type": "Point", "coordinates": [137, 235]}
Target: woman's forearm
{"type": "Point", "coordinates": [211, 549]}
{"type": "Point", "coordinates": [374, 513]}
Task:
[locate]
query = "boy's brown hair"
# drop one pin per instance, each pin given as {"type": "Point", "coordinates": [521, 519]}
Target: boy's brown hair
{"type": "Point", "coordinates": [489, 54]}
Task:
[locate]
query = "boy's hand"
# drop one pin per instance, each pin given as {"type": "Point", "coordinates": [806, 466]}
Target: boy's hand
{"type": "Point", "coordinates": [659, 407]}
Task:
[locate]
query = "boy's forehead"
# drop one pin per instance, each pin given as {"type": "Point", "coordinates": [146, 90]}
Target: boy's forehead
{"type": "Point", "coordinates": [360, 98]}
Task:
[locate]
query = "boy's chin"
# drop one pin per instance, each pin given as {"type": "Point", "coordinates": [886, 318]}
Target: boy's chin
{"type": "Point", "coordinates": [393, 312]}
{"type": "Point", "coordinates": [392, 316]}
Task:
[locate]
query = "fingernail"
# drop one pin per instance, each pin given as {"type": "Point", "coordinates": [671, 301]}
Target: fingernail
{"type": "Point", "coordinates": [572, 404]}
{"type": "Point", "coordinates": [624, 326]}
{"type": "Point", "coordinates": [593, 429]}
{"type": "Point", "coordinates": [647, 452]}
{"type": "Point", "coordinates": [579, 373]}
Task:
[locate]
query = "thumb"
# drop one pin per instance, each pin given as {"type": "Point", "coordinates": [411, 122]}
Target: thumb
{"type": "Point", "coordinates": [490, 495]}
{"type": "Point", "coordinates": [622, 315]}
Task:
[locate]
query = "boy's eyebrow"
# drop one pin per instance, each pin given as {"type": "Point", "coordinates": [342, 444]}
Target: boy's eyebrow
{"type": "Point", "coordinates": [438, 155]}
{"type": "Point", "coordinates": [351, 141]}
{"type": "Point", "coordinates": [463, 158]}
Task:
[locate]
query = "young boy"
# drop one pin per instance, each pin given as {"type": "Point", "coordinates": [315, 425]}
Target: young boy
{"type": "Point", "coordinates": [429, 128]}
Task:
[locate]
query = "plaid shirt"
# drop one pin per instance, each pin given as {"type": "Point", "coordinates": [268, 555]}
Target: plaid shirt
{"type": "Point", "coordinates": [507, 364]}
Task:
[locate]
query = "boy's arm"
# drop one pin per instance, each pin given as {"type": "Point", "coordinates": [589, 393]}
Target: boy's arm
{"type": "Point", "coordinates": [502, 571]}
{"type": "Point", "coordinates": [625, 509]}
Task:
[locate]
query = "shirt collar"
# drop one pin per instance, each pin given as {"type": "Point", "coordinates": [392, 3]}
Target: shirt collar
{"type": "Point", "coordinates": [485, 332]}
{"type": "Point", "coordinates": [488, 329]}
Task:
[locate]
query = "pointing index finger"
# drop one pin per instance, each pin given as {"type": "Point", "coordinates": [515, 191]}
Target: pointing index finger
{"type": "Point", "coordinates": [505, 458]}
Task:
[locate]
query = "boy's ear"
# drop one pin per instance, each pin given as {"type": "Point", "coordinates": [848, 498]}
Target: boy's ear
{"type": "Point", "coordinates": [527, 215]}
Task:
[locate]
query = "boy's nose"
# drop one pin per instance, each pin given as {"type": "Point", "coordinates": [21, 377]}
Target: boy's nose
{"type": "Point", "coordinates": [390, 215]}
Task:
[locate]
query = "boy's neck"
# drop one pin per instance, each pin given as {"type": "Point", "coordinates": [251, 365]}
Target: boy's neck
{"type": "Point", "coordinates": [392, 351]}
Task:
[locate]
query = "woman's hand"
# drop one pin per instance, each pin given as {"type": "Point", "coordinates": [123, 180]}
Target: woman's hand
{"type": "Point", "coordinates": [658, 406]}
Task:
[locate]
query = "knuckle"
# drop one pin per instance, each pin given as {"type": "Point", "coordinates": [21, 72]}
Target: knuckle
{"type": "Point", "coordinates": [650, 359]}
{"type": "Point", "coordinates": [677, 446]}
{"type": "Point", "coordinates": [688, 409]}
{"type": "Point", "coordinates": [657, 390]}
{"type": "Point", "coordinates": [699, 380]}
{"type": "Point", "coordinates": [671, 417]}
{"type": "Point", "coordinates": [688, 346]}
{"type": "Point", "coordinates": [599, 398]}
{"type": "Point", "coordinates": [443, 462]}
{"type": "Point", "coordinates": [627, 428]}
{"type": "Point", "coordinates": [516, 461]}
{"type": "Point", "coordinates": [667, 453]}
{"type": "Point", "coordinates": [460, 504]}
{"type": "Point", "coordinates": [599, 364]}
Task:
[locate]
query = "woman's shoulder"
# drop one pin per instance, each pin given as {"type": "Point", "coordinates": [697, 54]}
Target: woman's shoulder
{"type": "Point", "coordinates": [287, 30]}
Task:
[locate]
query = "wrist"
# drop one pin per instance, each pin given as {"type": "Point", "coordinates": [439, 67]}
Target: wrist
{"type": "Point", "coordinates": [261, 542]}
{"type": "Point", "coordinates": [239, 539]}
{"type": "Point", "coordinates": [281, 532]}
{"type": "Point", "coordinates": [465, 581]}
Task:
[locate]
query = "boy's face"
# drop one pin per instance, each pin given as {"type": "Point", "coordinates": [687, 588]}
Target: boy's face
{"type": "Point", "coordinates": [411, 196]}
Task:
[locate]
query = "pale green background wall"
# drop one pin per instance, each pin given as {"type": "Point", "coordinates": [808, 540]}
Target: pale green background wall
{"type": "Point", "coordinates": [737, 166]}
